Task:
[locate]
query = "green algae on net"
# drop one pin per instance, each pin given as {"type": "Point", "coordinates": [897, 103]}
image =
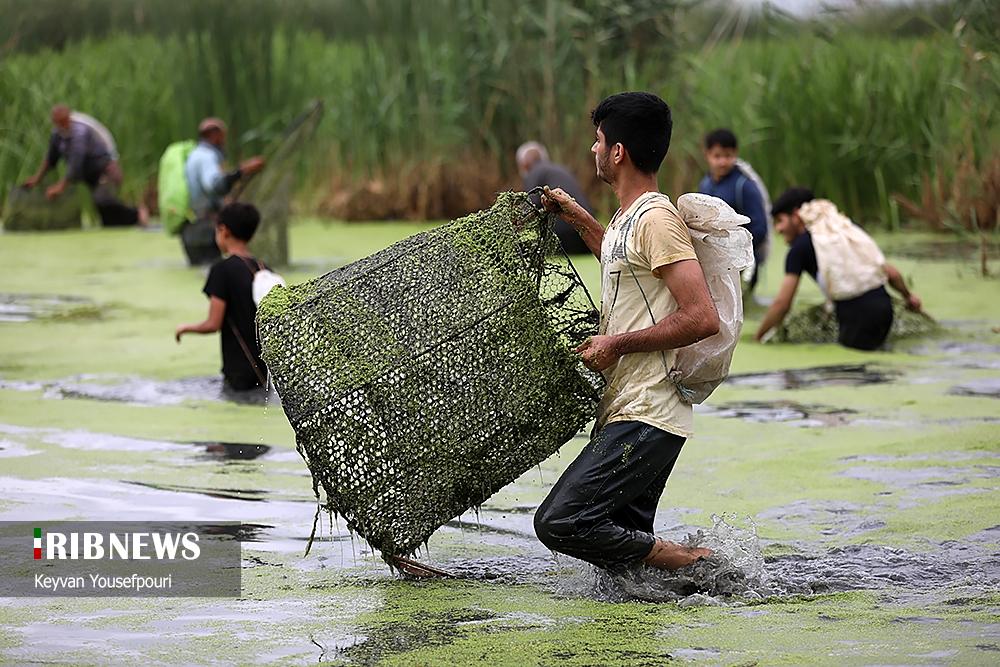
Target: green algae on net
{"type": "Point", "coordinates": [818, 324]}
{"type": "Point", "coordinates": [30, 210]}
{"type": "Point", "coordinates": [424, 378]}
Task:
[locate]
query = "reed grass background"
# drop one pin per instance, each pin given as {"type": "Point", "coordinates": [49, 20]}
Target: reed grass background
{"type": "Point", "coordinates": [427, 101]}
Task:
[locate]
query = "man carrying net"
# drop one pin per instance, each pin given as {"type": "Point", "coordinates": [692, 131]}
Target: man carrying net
{"type": "Point", "coordinates": [654, 300]}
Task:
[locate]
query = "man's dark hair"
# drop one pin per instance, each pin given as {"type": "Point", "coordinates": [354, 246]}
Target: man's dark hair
{"type": "Point", "coordinates": [240, 219]}
{"type": "Point", "coordinates": [720, 137]}
{"type": "Point", "coordinates": [791, 199]}
{"type": "Point", "coordinates": [641, 123]}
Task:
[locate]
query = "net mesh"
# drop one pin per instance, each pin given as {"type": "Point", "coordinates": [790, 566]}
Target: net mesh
{"type": "Point", "coordinates": [426, 377]}
{"type": "Point", "coordinates": [30, 210]}
{"type": "Point", "coordinates": [817, 324]}
{"type": "Point", "coordinates": [271, 190]}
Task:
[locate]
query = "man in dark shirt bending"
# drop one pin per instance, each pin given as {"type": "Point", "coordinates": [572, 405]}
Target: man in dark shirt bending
{"type": "Point", "coordinates": [864, 320]}
{"type": "Point", "coordinates": [90, 156]}
{"type": "Point", "coordinates": [536, 171]}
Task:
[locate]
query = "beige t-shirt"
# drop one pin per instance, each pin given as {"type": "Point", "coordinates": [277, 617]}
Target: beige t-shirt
{"type": "Point", "coordinates": [638, 388]}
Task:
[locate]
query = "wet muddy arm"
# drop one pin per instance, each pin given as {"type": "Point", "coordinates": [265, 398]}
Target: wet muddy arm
{"type": "Point", "coordinates": [782, 304]}
{"type": "Point", "coordinates": [591, 231]}
{"type": "Point", "coordinates": [897, 283]}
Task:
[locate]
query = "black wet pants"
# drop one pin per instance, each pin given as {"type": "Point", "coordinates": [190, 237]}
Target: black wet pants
{"type": "Point", "coordinates": [865, 321]}
{"type": "Point", "coordinates": [104, 179]}
{"type": "Point", "coordinates": [602, 508]}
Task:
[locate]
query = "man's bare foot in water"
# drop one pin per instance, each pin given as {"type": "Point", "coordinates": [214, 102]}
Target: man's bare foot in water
{"type": "Point", "coordinates": [672, 556]}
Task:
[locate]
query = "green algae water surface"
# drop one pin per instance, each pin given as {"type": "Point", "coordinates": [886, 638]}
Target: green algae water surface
{"type": "Point", "coordinates": [872, 481]}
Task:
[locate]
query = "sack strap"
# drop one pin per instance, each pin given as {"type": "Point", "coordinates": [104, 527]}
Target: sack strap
{"type": "Point", "coordinates": [247, 262]}
{"type": "Point", "coordinates": [236, 332]}
{"type": "Point", "coordinates": [740, 182]}
{"type": "Point", "coordinates": [644, 208]}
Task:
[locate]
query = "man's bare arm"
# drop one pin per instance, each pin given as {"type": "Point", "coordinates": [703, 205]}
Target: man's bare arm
{"type": "Point", "coordinates": [559, 202]}
{"type": "Point", "coordinates": [897, 282]}
{"type": "Point", "coordinates": [775, 315]}
{"type": "Point", "coordinates": [211, 324]}
{"type": "Point", "coordinates": [38, 175]}
{"type": "Point", "coordinates": [695, 319]}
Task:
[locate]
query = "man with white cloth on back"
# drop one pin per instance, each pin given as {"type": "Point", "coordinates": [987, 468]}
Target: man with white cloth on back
{"type": "Point", "coordinates": [654, 300]}
{"type": "Point", "coordinates": [846, 263]}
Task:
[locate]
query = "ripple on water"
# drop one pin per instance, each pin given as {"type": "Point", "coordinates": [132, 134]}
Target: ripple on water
{"type": "Point", "coordinates": [738, 572]}
{"type": "Point", "coordinates": [137, 390]}
{"type": "Point", "coordinates": [786, 412]}
{"type": "Point", "coordinates": [987, 387]}
{"type": "Point", "coordinates": [27, 307]}
{"type": "Point", "coordinates": [820, 376]}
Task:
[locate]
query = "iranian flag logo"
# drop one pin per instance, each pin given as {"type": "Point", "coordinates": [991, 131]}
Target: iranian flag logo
{"type": "Point", "coordinates": [38, 543]}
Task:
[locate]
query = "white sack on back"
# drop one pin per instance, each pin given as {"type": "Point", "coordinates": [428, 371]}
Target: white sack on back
{"type": "Point", "coordinates": [849, 261]}
{"type": "Point", "coordinates": [724, 248]}
{"type": "Point", "coordinates": [263, 282]}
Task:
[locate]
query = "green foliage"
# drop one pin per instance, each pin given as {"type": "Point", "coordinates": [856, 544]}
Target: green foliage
{"type": "Point", "coordinates": [854, 118]}
{"type": "Point", "coordinates": [861, 108]}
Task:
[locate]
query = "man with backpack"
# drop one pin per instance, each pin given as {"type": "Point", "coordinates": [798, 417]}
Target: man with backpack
{"type": "Point", "coordinates": [733, 181]}
{"type": "Point", "coordinates": [846, 263]}
{"type": "Point", "coordinates": [232, 307]}
{"type": "Point", "coordinates": [207, 185]}
{"type": "Point", "coordinates": [654, 300]}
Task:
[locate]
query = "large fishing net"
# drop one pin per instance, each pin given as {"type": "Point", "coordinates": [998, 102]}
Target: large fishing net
{"type": "Point", "coordinates": [426, 377]}
{"type": "Point", "coordinates": [29, 210]}
{"type": "Point", "coordinates": [818, 324]}
{"type": "Point", "coordinates": [271, 190]}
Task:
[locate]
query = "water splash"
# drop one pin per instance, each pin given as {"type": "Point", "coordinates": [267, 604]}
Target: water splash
{"type": "Point", "coordinates": [735, 570]}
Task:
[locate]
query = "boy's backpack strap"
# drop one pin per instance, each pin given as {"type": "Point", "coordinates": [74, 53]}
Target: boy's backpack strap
{"type": "Point", "coordinates": [740, 182]}
{"type": "Point", "coordinates": [252, 263]}
{"type": "Point", "coordinates": [249, 263]}
{"type": "Point", "coordinates": [248, 354]}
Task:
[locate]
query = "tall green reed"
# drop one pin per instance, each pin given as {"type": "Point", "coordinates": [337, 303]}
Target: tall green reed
{"type": "Point", "coordinates": [412, 85]}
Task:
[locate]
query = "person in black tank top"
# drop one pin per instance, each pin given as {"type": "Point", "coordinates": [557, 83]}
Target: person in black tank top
{"type": "Point", "coordinates": [864, 321]}
{"type": "Point", "coordinates": [231, 309]}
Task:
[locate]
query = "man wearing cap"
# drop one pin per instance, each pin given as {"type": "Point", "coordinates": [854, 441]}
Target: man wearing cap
{"type": "Point", "coordinates": [208, 184]}
{"type": "Point", "coordinates": [91, 157]}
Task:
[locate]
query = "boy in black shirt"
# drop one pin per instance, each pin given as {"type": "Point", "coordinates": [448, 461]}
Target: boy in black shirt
{"type": "Point", "coordinates": [231, 308]}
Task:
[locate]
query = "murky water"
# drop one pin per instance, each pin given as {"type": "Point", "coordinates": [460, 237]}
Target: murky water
{"type": "Point", "coordinates": [738, 573]}
{"type": "Point", "coordinates": [850, 375]}
{"type": "Point", "coordinates": [787, 412]}
{"type": "Point", "coordinates": [235, 451]}
{"type": "Point", "coordinates": [219, 480]}
{"type": "Point", "coordinates": [27, 307]}
{"type": "Point", "coordinates": [137, 390]}
{"type": "Point", "coordinates": [941, 249]}
{"type": "Point", "coordinates": [989, 387]}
